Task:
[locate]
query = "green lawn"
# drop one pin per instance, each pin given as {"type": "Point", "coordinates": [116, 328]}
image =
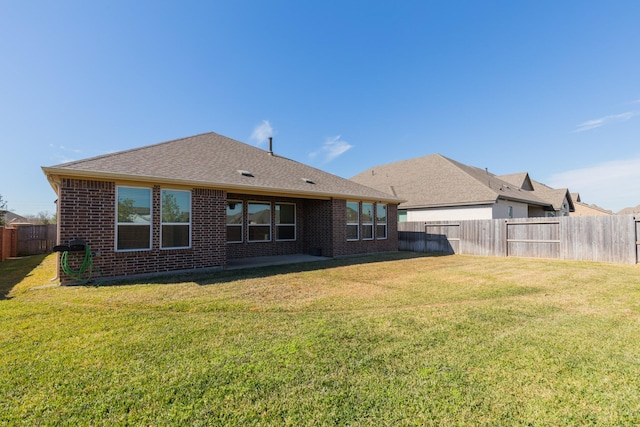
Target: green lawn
{"type": "Point", "coordinates": [396, 339]}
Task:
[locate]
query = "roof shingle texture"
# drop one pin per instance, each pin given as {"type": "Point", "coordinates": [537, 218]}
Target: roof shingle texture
{"type": "Point", "coordinates": [437, 181]}
{"type": "Point", "coordinates": [213, 160]}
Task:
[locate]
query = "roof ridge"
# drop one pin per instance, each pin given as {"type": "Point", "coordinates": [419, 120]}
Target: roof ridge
{"type": "Point", "coordinates": [463, 167]}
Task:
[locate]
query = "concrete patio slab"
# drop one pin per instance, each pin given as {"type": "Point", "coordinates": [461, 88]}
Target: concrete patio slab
{"type": "Point", "coordinates": [265, 261]}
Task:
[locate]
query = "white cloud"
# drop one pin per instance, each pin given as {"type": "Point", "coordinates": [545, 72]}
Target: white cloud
{"type": "Point", "coordinates": [262, 132]}
{"type": "Point", "coordinates": [62, 154]}
{"type": "Point", "coordinates": [606, 120]}
{"type": "Point", "coordinates": [333, 147]}
{"type": "Point", "coordinates": [611, 185]}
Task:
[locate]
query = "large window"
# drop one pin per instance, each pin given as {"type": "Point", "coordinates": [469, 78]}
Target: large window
{"type": "Point", "coordinates": [353, 220]}
{"type": "Point", "coordinates": [234, 221]}
{"type": "Point", "coordinates": [367, 221]}
{"type": "Point", "coordinates": [381, 221]}
{"type": "Point", "coordinates": [176, 219]}
{"type": "Point", "coordinates": [285, 221]}
{"type": "Point", "coordinates": [259, 221]}
{"type": "Point", "coordinates": [133, 218]}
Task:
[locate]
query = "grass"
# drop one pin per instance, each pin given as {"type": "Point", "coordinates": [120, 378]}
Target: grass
{"type": "Point", "coordinates": [396, 339]}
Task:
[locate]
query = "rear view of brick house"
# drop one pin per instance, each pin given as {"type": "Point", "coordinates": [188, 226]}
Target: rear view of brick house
{"type": "Point", "coordinates": [196, 202]}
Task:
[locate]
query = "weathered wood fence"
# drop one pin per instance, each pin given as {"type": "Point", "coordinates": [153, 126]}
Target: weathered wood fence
{"type": "Point", "coordinates": [8, 243]}
{"type": "Point", "coordinates": [614, 239]}
{"type": "Point", "coordinates": [36, 239]}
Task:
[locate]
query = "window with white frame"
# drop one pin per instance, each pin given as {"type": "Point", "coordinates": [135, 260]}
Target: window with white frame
{"type": "Point", "coordinates": [367, 221]}
{"type": "Point", "coordinates": [353, 220]}
{"type": "Point", "coordinates": [133, 218]}
{"type": "Point", "coordinates": [175, 216]}
{"type": "Point", "coordinates": [234, 221]}
{"type": "Point", "coordinates": [259, 221]}
{"type": "Point", "coordinates": [381, 221]}
{"type": "Point", "coordinates": [285, 221]}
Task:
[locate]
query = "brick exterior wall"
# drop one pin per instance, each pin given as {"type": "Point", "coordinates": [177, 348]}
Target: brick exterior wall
{"type": "Point", "coordinates": [344, 247]}
{"type": "Point", "coordinates": [252, 249]}
{"type": "Point", "coordinates": [319, 227]}
{"type": "Point", "coordinates": [87, 211]}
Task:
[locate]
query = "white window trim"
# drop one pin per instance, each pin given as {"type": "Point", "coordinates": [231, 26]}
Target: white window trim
{"type": "Point", "coordinates": [385, 223]}
{"type": "Point", "coordinates": [369, 224]}
{"type": "Point", "coordinates": [176, 223]}
{"type": "Point", "coordinates": [260, 225]}
{"type": "Point", "coordinates": [295, 226]}
{"type": "Point", "coordinates": [125, 224]}
{"type": "Point", "coordinates": [357, 224]}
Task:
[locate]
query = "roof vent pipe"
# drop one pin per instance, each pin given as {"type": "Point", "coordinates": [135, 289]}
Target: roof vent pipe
{"type": "Point", "coordinates": [271, 146]}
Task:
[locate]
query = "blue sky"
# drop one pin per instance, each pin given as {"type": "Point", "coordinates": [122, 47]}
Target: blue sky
{"type": "Point", "coordinates": [547, 87]}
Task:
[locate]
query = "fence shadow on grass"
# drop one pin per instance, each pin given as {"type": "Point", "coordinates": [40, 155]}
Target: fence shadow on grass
{"type": "Point", "coordinates": [224, 276]}
{"type": "Point", "coordinates": [14, 270]}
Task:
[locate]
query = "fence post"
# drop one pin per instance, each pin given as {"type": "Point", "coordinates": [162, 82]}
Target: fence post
{"type": "Point", "coordinates": [505, 237]}
{"type": "Point", "coordinates": [636, 222]}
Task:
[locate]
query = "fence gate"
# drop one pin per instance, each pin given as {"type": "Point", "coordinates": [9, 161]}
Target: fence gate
{"type": "Point", "coordinates": [533, 239]}
{"type": "Point", "coordinates": [36, 239]}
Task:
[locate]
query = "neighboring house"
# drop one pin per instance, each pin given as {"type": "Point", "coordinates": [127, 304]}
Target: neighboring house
{"type": "Point", "coordinates": [629, 211]}
{"type": "Point", "coordinates": [437, 188]}
{"type": "Point", "coordinates": [200, 201]}
{"type": "Point", "coordinates": [583, 209]}
{"type": "Point", "coordinates": [11, 219]}
{"type": "Point", "coordinates": [559, 198]}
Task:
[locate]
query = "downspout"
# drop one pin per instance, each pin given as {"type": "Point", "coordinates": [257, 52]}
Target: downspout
{"type": "Point", "coordinates": [58, 231]}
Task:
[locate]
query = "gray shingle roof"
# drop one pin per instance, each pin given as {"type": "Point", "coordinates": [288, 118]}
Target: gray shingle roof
{"type": "Point", "coordinates": [553, 196]}
{"type": "Point", "coordinates": [437, 181]}
{"type": "Point", "coordinates": [214, 161]}
{"type": "Point", "coordinates": [521, 180]}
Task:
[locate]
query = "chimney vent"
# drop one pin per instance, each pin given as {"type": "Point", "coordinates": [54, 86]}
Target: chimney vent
{"type": "Point", "coordinates": [271, 146]}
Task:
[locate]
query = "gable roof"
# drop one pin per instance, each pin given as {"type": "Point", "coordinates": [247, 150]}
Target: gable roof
{"type": "Point", "coordinates": [437, 181]}
{"type": "Point", "coordinates": [520, 180]}
{"type": "Point", "coordinates": [212, 160]}
{"type": "Point", "coordinates": [555, 196]}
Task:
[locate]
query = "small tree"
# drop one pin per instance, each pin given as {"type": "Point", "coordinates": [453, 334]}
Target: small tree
{"type": "Point", "coordinates": [42, 217]}
{"type": "Point", "coordinates": [3, 210]}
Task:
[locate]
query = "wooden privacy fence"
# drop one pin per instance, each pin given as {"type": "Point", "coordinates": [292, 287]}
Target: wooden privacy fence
{"type": "Point", "coordinates": [36, 239]}
{"type": "Point", "coordinates": [612, 239]}
{"type": "Point", "coordinates": [8, 243]}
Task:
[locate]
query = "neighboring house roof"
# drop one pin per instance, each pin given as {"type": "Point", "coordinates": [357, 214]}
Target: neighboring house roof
{"type": "Point", "coordinates": [556, 196]}
{"type": "Point", "coordinates": [520, 180]}
{"type": "Point", "coordinates": [213, 160]}
{"type": "Point", "coordinates": [627, 211]}
{"type": "Point", "coordinates": [553, 196]}
{"type": "Point", "coordinates": [583, 209]}
{"type": "Point", "coordinates": [11, 218]}
{"type": "Point", "coordinates": [437, 181]}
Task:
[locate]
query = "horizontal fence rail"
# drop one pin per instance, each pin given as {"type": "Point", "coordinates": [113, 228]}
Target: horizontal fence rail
{"type": "Point", "coordinates": [613, 239]}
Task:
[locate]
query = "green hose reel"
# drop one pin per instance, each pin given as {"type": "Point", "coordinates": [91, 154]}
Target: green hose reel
{"type": "Point", "coordinates": [79, 251]}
